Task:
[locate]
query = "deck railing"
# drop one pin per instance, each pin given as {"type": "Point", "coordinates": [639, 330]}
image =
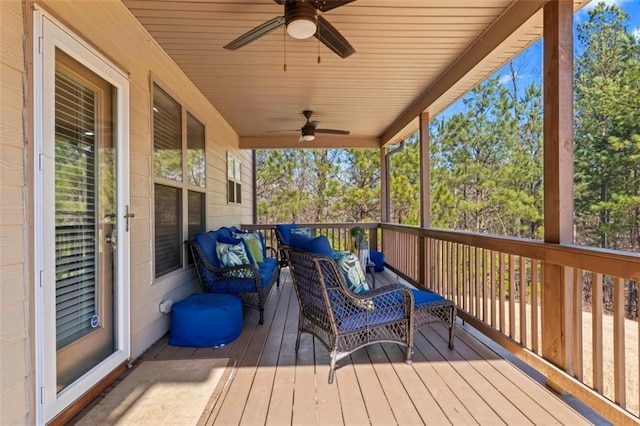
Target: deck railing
{"type": "Point", "coordinates": [496, 282]}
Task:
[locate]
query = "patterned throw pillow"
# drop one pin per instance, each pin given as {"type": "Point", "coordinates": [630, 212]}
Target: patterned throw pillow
{"type": "Point", "coordinates": [254, 243]}
{"type": "Point", "coordinates": [231, 254]}
{"type": "Point", "coordinates": [349, 265]}
{"type": "Point", "coordinates": [307, 232]}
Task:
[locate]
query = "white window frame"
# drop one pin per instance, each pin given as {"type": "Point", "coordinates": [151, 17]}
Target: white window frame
{"type": "Point", "coordinates": [184, 186]}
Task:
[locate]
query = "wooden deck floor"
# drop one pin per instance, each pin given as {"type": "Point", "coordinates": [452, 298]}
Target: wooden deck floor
{"type": "Point", "coordinates": [271, 385]}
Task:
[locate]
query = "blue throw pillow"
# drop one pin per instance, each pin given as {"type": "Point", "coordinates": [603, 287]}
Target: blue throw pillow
{"type": "Point", "coordinates": [285, 231]}
{"type": "Point", "coordinates": [318, 245]}
{"type": "Point", "coordinates": [298, 240]}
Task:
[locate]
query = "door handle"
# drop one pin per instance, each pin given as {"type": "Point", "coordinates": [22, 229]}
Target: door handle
{"type": "Point", "coordinates": [127, 216]}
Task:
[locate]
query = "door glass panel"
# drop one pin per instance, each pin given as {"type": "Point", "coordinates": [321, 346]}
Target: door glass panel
{"type": "Point", "coordinates": [84, 220]}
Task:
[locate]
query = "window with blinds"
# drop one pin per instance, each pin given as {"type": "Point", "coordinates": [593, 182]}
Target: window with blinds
{"type": "Point", "coordinates": [178, 151]}
{"type": "Point", "coordinates": [75, 211]}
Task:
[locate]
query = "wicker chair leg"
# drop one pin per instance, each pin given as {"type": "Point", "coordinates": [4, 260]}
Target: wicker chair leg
{"type": "Point", "coordinates": [332, 367]}
{"type": "Point", "coordinates": [261, 316]}
{"type": "Point", "coordinates": [409, 354]}
{"type": "Point", "coordinates": [298, 340]}
{"type": "Point", "coordinates": [452, 328]}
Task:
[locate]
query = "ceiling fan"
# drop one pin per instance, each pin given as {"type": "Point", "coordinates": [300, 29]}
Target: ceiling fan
{"type": "Point", "coordinates": [310, 128]}
{"type": "Point", "coordinates": [302, 21]}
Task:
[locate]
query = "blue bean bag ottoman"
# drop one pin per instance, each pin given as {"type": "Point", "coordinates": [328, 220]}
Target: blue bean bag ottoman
{"type": "Point", "coordinates": [205, 320]}
{"type": "Point", "coordinates": [378, 259]}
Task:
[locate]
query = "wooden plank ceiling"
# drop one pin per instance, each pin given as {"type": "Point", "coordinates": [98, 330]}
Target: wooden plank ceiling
{"type": "Point", "coordinates": [411, 56]}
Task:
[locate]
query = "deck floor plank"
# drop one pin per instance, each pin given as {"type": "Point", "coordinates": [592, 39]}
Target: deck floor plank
{"type": "Point", "coordinates": [271, 384]}
{"type": "Point", "coordinates": [374, 397]}
{"type": "Point", "coordinates": [468, 395]}
{"type": "Point", "coordinates": [546, 399]}
{"type": "Point", "coordinates": [231, 410]}
{"type": "Point", "coordinates": [400, 402]}
{"type": "Point", "coordinates": [429, 410]}
{"type": "Point", "coordinates": [328, 396]}
{"type": "Point", "coordinates": [283, 384]}
{"type": "Point", "coordinates": [532, 408]}
{"type": "Point", "coordinates": [469, 368]}
{"type": "Point", "coordinates": [304, 397]}
{"type": "Point", "coordinates": [258, 400]}
{"type": "Point", "coordinates": [354, 411]}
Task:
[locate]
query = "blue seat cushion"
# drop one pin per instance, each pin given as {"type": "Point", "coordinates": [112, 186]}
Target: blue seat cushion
{"type": "Point", "coordinates": [366, 318]}
{"type": "Point", "coordinates": [267, 269]}
{"type": "Point", "coordinates": [378, 259]}
{"type": "Point", "coordinates": [285, 231]}
{"type": "Point", "coordinates": [422, 297]}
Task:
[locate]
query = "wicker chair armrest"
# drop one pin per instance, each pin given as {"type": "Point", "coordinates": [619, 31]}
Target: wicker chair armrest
{"type": "Point", "coordinates": [271, 252]}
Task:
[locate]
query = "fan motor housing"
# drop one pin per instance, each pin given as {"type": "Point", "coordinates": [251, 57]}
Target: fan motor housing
{"type": "Point", "coordinates": [294, 10]}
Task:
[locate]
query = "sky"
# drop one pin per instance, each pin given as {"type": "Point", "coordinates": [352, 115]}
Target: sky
{"type": "Point", "coordinates": [528, 65]}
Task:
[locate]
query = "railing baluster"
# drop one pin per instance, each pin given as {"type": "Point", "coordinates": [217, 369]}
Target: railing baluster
{"type": "Point", "coordinates": [485, 276]}
{"type": "Point", "coordinates": [476, 278]}
{"type": "Point", "coordinates": [578, 369]}
{"type": "Point", "coordinates": [493, 289]}
{"type": "Point", "coordinates": [523, 301]}
{"type": "Point", "coordinates": [619, 371]}
{"type": "Point", "coordinates": [502, 295]}
{"type": "Point", "coordinates": [535, 333]}
{"type": "Point", "coordinates": [596, 323]}
{"type": "Point", "coordinates": [512, 296]}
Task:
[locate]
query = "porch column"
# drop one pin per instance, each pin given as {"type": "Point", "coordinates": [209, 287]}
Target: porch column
{"type": "Point", "coordinates": [558, 178]}
{"type": "Point", "coordinates": [425, 172]}
{"type": "Point", "coordinates": [424, 265]}
{"type": "Point", "coordinates": [384, 187]}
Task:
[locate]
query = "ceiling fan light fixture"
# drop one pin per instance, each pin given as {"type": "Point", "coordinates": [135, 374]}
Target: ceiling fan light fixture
{"type": "Point", "coordinates": [300, 19]}
{"type": "Point", "coordinates": [301, 28]}
{"type": "Point", "coordinates": [308, 138]}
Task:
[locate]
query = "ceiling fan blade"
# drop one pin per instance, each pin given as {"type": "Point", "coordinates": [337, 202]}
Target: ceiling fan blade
{"type": "Point", "coordinates": [326, 5]}
{"type": "Point", "coordinates": [256, 33]}
{"type": "Point", "coordinates": [331, 37]}
{"type": "Point", "coordinates": [333, 131]}
{"type": "Point", "coordinates": [283, 131]}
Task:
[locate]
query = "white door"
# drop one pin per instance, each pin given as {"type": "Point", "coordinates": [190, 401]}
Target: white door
{"type": "Point", "coordinates": [82, 217]}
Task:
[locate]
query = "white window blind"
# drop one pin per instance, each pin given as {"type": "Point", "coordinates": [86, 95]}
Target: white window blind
{"type": "Point", "coordinates": [75, 198]}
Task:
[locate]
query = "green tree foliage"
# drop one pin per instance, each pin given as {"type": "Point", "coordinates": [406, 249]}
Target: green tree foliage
{"type": "Point", "coordinates": [607, 138]}
{"type": "Point", "coordinates": [404, 183]}
{"type": "Point", "coordinates": [318, 185]}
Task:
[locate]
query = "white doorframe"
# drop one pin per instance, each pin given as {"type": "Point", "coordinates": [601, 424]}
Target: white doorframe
{"type": "Point", "coordinates": [49, 35]}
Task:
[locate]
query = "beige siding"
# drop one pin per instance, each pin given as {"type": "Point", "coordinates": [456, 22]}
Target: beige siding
{"type": "Point", "coordinates": [109, 27]}
{"type": "Point", "coordinates": [14, 345]}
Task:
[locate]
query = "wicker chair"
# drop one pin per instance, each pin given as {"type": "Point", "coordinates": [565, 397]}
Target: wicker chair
{"type": "Point", "coordinates": [251, 283]}
{"type": "Point", "coordinates": [342, 321]}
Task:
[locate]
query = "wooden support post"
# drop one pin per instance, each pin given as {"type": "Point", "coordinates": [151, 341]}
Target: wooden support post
{"type": "Point", "coordinates": [424, 256]}
{"type": "Point", "coordinates": [384, 187]}
{"type": "Point", "coordinates": [558, 179]}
